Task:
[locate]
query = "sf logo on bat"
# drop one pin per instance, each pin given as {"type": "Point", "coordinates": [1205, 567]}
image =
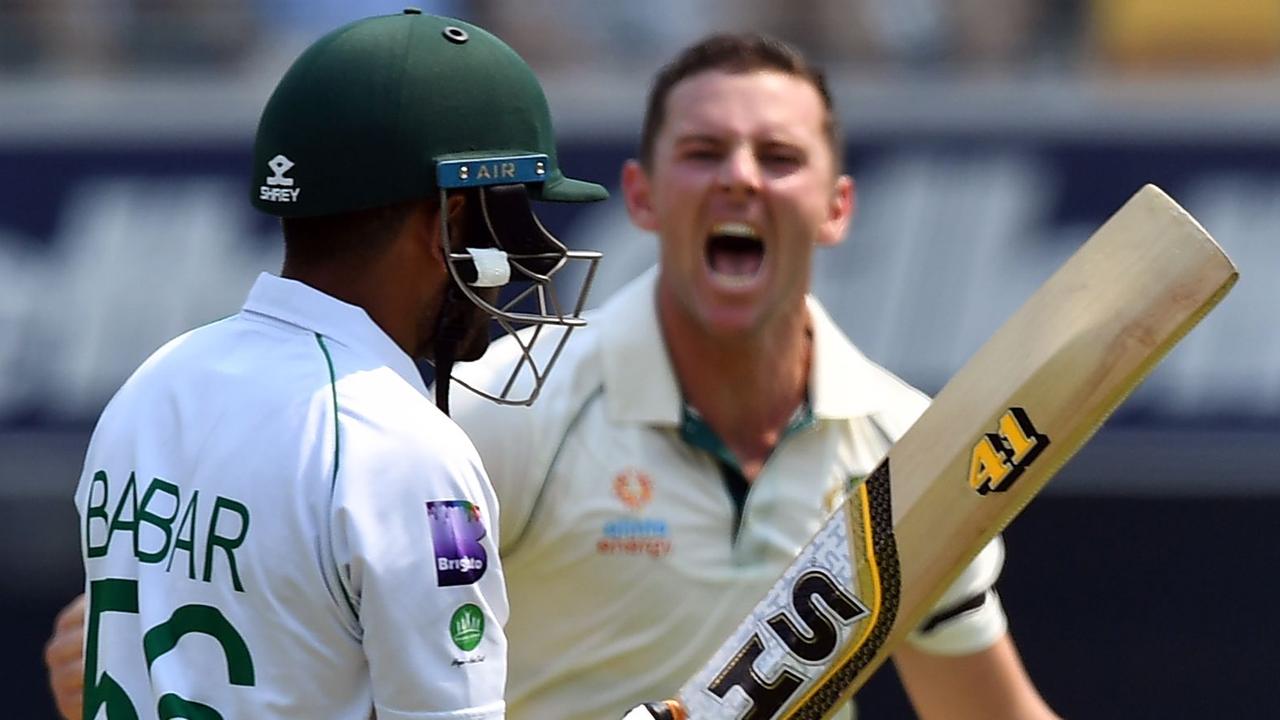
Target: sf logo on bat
{"type": "Point", "coordinates": [999, 458]}
{"type": "Point", "coordinates": [814, 643]}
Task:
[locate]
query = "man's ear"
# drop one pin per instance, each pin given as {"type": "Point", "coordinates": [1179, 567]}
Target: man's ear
{"type": "Point", "coordinates": [456, 215]}
{"type": "Point", "coordinates": [636, 190]}
{"type": "Point", "coordinates": [427, 216]}
{"type": "Point", "coordinates": [839, 212]}
{"type": "Point", "coordinates": [456, 207]}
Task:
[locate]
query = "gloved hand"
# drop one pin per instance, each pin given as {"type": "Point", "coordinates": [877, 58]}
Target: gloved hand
{"type": "Point", "coordinates": [669, 710]}
{"type": "Point", "coordinates": [63, 656]}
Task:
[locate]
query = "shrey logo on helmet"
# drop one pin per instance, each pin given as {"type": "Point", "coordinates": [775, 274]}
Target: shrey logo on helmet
{"type": "Point", "coordinates": [278, 187]}
{"type": "Point", "coordinates": [469, 119]}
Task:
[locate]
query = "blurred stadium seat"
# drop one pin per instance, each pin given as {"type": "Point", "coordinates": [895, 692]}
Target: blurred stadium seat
{"type": "Point", "coordinates": [1187, 35]}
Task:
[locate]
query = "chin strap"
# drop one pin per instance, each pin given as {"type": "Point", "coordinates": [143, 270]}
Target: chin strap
{"type": "Point", "coordinates": [443, 368]}
{"type": "Point", "coordinates": [445, 343]}
{"type": "Point", "coordinates": [449, 331]}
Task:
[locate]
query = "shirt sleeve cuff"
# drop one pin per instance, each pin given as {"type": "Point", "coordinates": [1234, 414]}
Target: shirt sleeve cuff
{"type": "Point", "coordinates": [968, 617]}
{"type": "Point", "coordinates": [969, 632]}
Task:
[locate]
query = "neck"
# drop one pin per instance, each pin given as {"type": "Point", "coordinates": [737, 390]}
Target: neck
{"type": "Point", "coordinates": [374, 292]}
{"type": "Point", "coordinates": [746, 387]}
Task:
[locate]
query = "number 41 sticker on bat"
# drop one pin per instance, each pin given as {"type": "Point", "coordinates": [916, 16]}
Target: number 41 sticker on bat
{"type": "Point", "coordinates": [994, 435]}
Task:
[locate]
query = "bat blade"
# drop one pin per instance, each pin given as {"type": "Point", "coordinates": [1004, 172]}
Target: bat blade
{"type": "Point", "coordinates": [995, 434]}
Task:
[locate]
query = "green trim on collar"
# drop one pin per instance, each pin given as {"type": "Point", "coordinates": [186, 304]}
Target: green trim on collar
{"type": "Point", "coordinates": [696, 432]}
{"type": "Point", "coordinates": [801, 419]}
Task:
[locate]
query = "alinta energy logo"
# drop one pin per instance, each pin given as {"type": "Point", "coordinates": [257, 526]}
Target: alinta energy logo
{"type": "Point", "coordinates": [466, 627]}
{"type": "Point", "coordinates": [633, 534]}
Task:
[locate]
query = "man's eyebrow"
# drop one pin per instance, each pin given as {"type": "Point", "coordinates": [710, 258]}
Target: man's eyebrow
{"type": "Point", "coordinates": [698, 137]}
{"type": "Point", "coordinates": [783, 144]}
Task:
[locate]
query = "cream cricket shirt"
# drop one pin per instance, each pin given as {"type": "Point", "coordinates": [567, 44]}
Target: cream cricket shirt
{"type": "Point", "coordinates": [277, 523]}
{"type": "Point", "coordinates": [627, 563]}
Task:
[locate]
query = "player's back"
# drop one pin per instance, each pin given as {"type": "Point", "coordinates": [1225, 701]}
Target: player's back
{"type": "Point", "coordinates": [259, 505]}
{"type": "Point", "coordinates": [205, 500]}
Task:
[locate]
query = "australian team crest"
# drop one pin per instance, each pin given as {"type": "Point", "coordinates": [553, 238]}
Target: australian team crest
{"type": "Point", "coordinates": [634, 488]}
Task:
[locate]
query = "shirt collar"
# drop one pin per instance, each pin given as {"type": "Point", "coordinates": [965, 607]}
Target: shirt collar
{"type": "Point", "coordinates": [843, 383]}
{"type": "Point", "coordinates": [641, 386]}
{"type": "Point", "coordinates": [299, 304]}
{"type": "Point", "coordinates": [639, 383]}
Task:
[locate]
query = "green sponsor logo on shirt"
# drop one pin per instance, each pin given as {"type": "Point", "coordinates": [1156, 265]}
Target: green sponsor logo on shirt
{"type": "Point", "coordinates": [466, 627]}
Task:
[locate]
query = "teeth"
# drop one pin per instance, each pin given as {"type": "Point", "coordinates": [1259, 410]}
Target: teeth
{"type": "Point", "coordinates": [733, 281]}
{"type": "Point", "coordinates": [735, 229]}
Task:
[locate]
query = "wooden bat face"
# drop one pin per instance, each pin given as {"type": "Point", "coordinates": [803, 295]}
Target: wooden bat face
{"type": "Point", "coordinates": [996, 433]}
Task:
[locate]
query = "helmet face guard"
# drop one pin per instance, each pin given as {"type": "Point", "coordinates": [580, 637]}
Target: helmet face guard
{"type": "Point", "coordinates": [512, 249]}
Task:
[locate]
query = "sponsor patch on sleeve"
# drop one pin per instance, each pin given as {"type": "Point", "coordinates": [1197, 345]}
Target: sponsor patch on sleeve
{"type": "Point", "coordinates": [456, 531]}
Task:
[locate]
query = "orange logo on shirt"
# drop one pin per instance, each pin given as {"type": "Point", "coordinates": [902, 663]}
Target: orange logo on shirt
{"type": "Point", "coordinates": [633, 488]}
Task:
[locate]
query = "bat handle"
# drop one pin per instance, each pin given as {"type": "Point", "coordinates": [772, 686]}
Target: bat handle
{"type": "Point", "coordinates": [666, 710]}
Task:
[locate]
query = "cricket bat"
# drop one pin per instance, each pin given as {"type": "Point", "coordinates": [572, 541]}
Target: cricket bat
{"type": "Point", "coordinates": [994, 435]}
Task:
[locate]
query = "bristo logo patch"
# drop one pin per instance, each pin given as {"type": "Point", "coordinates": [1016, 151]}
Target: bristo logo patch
{"type": "Point", "coordinates": [456, 531]}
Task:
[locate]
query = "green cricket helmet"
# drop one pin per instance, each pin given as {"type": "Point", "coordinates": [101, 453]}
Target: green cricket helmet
{"type": "Point", "coordinates": [367, 115]}
{"type": "Point", "coordinates": [392, 108]}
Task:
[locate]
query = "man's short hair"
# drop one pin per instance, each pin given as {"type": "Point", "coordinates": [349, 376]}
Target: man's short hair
{"type": "Point", "coordinates": [735, 53]}
{"type": "Point", "coordinates": [349, 237]}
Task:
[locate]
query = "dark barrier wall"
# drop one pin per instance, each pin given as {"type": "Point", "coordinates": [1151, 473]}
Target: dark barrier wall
{"type": "Point", "coordinates": [105, 252]}
{"type": "Point", "coordinates": [1139, 608]}
{"type": "Point", "coordinates": [1138, 586]}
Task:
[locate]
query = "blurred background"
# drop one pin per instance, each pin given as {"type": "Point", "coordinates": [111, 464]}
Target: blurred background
{"type": "Point", "coordinates": [987, 137]}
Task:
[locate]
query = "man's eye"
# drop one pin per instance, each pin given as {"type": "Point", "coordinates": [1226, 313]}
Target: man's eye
{"type": "Point", "coordinates": [701, 154]}
{"type": "Point", "coordinates": [781, 159]}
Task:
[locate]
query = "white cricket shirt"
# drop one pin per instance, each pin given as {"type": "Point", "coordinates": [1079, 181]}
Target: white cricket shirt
{"type": "Point", "coordinates": [626, 562]}
{"type": "Point", "coordinates": [278, 523]}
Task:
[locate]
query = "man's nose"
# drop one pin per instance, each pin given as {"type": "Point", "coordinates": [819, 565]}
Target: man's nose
{"type": "Point", "coordinates": [740, 172]}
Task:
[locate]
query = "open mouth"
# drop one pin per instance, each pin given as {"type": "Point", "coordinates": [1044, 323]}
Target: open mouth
{"type": "Point", "coordinates": [735, 253]}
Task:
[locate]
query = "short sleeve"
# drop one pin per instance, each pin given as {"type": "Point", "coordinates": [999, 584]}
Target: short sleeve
{"type": "Point", "coordinates": [969, 617]}
{"type": "Point", "coordinates": [413, 537]}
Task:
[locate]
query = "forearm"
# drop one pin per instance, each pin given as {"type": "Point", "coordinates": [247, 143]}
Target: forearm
{"type": "Point", "coordinates": [987, 685]}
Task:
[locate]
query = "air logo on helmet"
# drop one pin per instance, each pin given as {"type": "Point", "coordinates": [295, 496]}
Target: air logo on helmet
{"type": "Point", "coordinates": [279, 188]}
{"type": "Point", "coordinates": [504, 169]}
{"type": "Point", "coordinates": [496, 171]}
